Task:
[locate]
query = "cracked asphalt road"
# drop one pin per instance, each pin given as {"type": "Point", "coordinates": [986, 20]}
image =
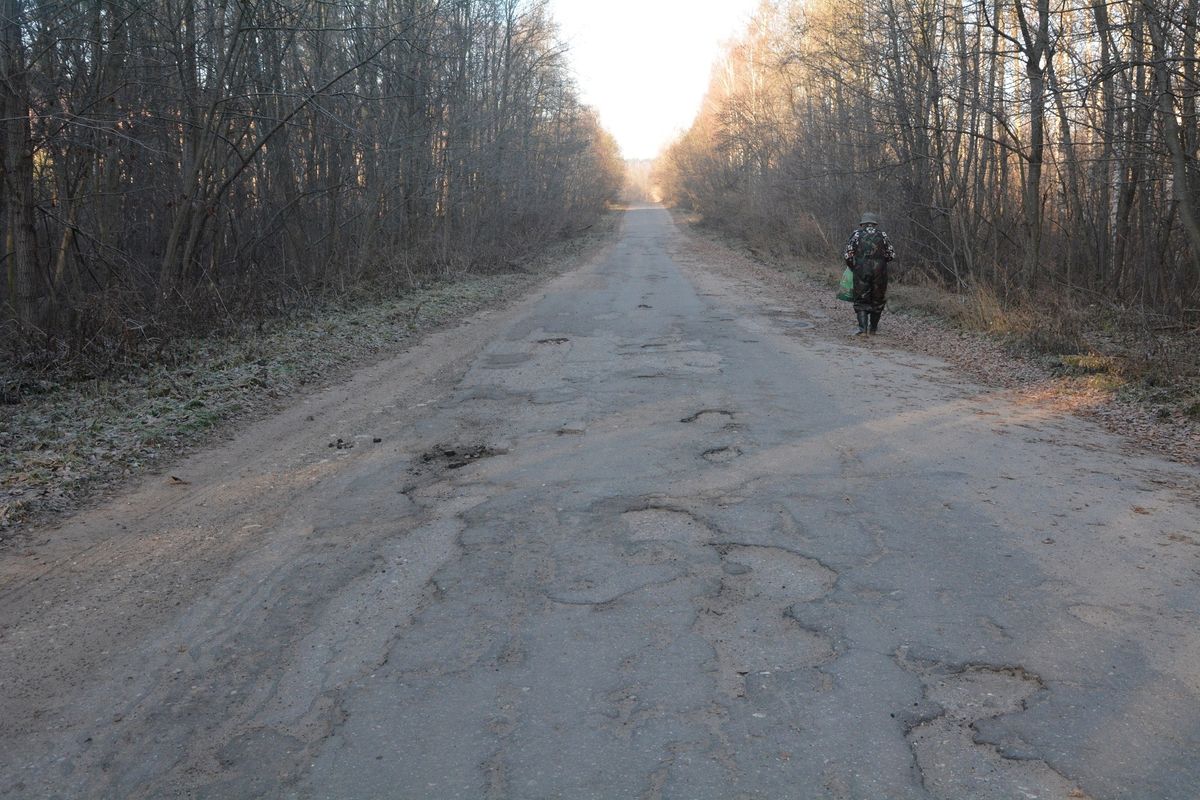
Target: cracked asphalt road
{"type": "Point", "coordinates": [652, 533]}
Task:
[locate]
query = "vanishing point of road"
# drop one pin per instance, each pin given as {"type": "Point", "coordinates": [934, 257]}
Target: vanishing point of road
{"type": "Point", "coordinates": [651, 532]}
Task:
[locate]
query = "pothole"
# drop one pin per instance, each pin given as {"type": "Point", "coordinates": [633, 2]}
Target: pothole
{"type": "Point", "coordinates": [980, 692]}
{"type": "Point", "coordinates": [749, 619]}
{"type": "Point", "coordinates": [554, 340]}
{"type": "Point", "coordinates": [775, 571]}
{"type": "Point", "coordinates": [666, 524]}
{"type": "Point", "coordinates": [954, 762]}
{"type": "Point", "coordinates": [755, 640]}
{"type": "Point", "coordinates": [457, 457]}
{"type": "Point", "coordinates": [702, 412]}
{"type": "Point", "coordinates": [721, 455]}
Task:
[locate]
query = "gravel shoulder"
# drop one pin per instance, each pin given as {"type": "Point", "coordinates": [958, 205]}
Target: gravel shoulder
{"type": "Point", "coordinates": [982, 357]}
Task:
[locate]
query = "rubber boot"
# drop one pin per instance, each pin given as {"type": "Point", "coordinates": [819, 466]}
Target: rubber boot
{"type": "Point", "coordinates": [875, 315]}
{"type": "Point", "coordinates": [862, 322]}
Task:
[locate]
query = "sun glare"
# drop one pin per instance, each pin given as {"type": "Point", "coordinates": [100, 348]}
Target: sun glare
{"type": "Point", "coordinates": [644, 64]}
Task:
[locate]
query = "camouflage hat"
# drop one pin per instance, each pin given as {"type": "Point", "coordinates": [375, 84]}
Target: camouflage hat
{"type": "Point", "coordinates": [869, 219]}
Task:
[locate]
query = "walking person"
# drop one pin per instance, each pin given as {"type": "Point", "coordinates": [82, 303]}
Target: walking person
{"type": "Point", "coordinates": [867, 255]}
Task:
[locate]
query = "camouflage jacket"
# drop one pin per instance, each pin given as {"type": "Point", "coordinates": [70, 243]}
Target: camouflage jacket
{"type": "Point", "coordinates": [883, 251]}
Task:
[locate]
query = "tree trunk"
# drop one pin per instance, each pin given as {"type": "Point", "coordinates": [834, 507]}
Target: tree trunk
{"type": "Point", "coordinates": [1181, 185]}
{"type": "Point", "coordinates": [1037, 55]}
{"type": "Point", "coordinates": [20, 243]}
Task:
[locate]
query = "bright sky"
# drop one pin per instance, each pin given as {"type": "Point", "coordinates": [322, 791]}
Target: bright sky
{"type": "Point", "coordinates": [644, 64]}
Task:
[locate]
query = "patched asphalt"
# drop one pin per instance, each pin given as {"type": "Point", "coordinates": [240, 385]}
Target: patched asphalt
{"type": "Point", "coordinates": [661, 535]}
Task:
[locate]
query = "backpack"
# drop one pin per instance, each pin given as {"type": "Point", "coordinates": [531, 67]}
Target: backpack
{"type": "Point", "coordinates": [871, 247]}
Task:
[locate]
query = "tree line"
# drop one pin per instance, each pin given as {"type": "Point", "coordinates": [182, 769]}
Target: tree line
{"type": "Point", "coordinates": [180, 159]}
{"type": "Point", "coordinates": [1032, 146]}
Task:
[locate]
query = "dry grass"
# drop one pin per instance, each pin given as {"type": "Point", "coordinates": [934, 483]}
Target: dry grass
{"type": "Point", "coordinates": [1125, 369]}
{"type": "Point", "coordinates": [1130, 353]}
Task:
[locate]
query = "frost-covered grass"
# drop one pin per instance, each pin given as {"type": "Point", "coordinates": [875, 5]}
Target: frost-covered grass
{"type": "Point", "coordinates": [67, 430]}
{"type": "Point", "coordinates": [67, 434]}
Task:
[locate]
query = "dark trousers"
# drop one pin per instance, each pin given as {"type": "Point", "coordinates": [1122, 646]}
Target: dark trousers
{"type": "Point", "coordinates": [870, 286]}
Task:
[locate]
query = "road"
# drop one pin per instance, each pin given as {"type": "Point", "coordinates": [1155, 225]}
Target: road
{"type": "Point", "coordinates": [652, 532]}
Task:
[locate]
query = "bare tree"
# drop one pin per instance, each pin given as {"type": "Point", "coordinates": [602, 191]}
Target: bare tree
{"type": "Point", "coordinates": [1022, 144]}
{"type": "Point", "coordinates": [176, 160]}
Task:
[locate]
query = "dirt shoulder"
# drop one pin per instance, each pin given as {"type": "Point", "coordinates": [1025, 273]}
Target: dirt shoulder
{"type": "Point", "coordinates": [66, 441]}
{"type": "Point", "coordinates": [985, 358]}
{"type": "Point", "coordinates": [274, 549]}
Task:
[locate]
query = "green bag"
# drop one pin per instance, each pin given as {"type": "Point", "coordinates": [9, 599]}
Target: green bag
{"type": "Point", "coordinates": [846, 287]}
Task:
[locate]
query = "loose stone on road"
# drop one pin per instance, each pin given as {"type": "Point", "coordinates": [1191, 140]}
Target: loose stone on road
{"type": "Point", "coordinates": [652, 533]}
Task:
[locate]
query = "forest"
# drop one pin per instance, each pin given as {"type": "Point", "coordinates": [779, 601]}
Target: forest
{"type": "Point", "coordinates": [168, 163]}
{"type": "Point", "coordinates": [1045, 149]}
